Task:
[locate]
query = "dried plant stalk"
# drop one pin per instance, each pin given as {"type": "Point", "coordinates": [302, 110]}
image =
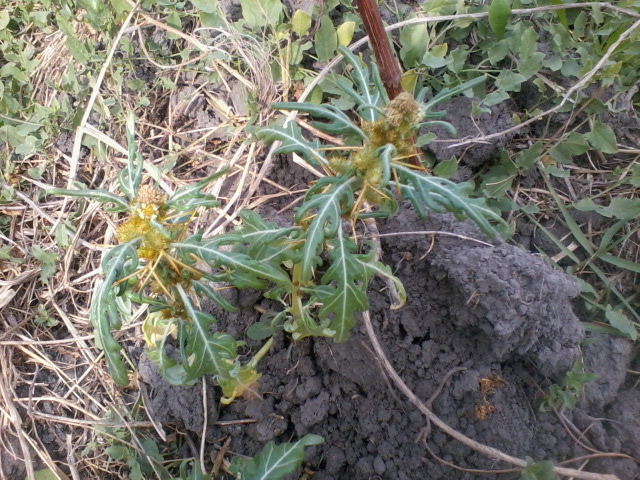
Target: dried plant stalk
{"type": "Point", "coordinates": [388, 65]}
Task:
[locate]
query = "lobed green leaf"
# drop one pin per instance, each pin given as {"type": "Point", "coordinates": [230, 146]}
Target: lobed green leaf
{"type": "Point", "coordinates": [364, 96]}
{"type": "Point", "coordinates": [274, 461]}
{"type": "Point", "coordinates": [324, 205]}
{"type": "Point", "coordinates": [291, 141]}
{"type": "Point", "coordinates": [130, 177]}
{"type": "Point", "coordinates": [204, 353]}
{"type": "Point", "coordinates": [340, 123]}
{"type": "Point", "coordinates": [348, 280]}
{"type": "Point", "coordinates": [99, 194]}
{"type": "Point", "coordinates": [242, 272]}
{"type": "Point", "coordinates": [343, 288]}
{"type": "Point", "coordinates": [189, 197]}
{"type": "Point", "coordinates": [117, 264]}
{"type": "Point", "coordinates": [261, 240]}
{"type": "Point", "coordinates": [438, 194]}
{"type": "Point", "coordinates": [204, 290]}
{"type": "Point", "coordinates": [304, 324]}
{"type": "Point", "coordinates": [374, 267]}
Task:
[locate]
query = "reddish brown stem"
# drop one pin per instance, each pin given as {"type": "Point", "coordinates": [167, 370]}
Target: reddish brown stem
{"type": "Point", "coordinates": [388, 65]}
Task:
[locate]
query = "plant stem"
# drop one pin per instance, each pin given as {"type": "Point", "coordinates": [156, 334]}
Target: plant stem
{"type": "Point", "coordinates": [253, 363]}
{"type": "Point", "coordinates": [296, 295]}
{"type": "Point", "coordinates": [388, 65]}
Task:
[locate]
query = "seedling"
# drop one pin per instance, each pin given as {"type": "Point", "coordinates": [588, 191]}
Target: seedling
{"type": "Point", "coordinates": [566, 395]}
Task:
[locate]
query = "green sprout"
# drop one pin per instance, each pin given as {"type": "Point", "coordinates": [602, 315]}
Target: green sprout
{"type": "Point", "coordinates": [566, 395]}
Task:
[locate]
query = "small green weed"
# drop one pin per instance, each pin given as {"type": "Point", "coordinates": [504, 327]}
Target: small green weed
{"type": "Point", "coordinates": [566, 395]}
{"type": "Point", "coordinates": [123, 446]}
{"type": "Point", "coordinates": [44, 319]}
{"type": "Point", "coordinates": [361, 178]}
{"type": "Point", "coordinates": [274, 461]}
{"type": "Point", "coordinates": [143, 459]}
{"type": "Point", "coordinates": [538, 470]}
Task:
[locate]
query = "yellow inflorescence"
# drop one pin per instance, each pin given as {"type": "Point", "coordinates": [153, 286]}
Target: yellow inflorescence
{"type": "Point", "coordinates": [403, 110]}
{"type": "Point", "coordinates": [147, 206]}
{"type": "Point", "coordinates": [396, 127]}
{"type": "Point", "coordinates": [149, 202]}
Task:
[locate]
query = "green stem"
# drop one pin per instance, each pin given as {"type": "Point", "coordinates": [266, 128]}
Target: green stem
{"type": "Point", "coordinates": [253, 363]}
{"type": "Point", "coordinates": [296, 294]}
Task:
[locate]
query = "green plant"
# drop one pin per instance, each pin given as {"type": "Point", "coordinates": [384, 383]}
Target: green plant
{"type": "Point", "coordinates": [604, 300]}
{"type": "Point", "coordinates": [578, 62]}
{"type": "Point", "coordinates": [140, 455]}
{"type": "Point", "coordinates": [566, 395]}
{"type": "Point", "coordinates": [39, 42]}
{"type": "Point", "coordinates": [313, 268]}
{"type": "Point", "coordinates": [43, 318]}
{"type": "Point", "coordinates": [362, 176]}
{"type": "Point", "coordinates": [274, 461]}
{"type": "Point", "coordinates": [143, 458]}
{"type": "Point", "coordinates": [149, 267]}
{"type": "Point", "coordinates": [542, 470]}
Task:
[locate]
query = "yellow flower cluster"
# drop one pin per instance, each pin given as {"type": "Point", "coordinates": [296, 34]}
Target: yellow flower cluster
{"type": "Point", "coordinates": [148, 205]}
{"type": "Point", "coordinates": [397, 127]}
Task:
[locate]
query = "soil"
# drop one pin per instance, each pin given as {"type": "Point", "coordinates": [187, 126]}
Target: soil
{"type": "Point", "coordinates": [459, 114]}
{"type": "Point", "coordinates": [474, 313]}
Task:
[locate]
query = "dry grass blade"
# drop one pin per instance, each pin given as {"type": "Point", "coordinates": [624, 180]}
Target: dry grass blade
{"type": "Point", "coordinates": [10, 418]}
{"type": "Point", "coordinates": [92, 99]}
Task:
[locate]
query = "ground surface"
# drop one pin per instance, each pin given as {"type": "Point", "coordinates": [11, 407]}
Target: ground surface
{"type": "Point", "coordinates": [475, 312]}
{"type": "Point", "coordinates": [485, 332]}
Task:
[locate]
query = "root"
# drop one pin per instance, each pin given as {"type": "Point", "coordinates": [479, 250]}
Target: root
{"type": "Point", "coordinates": [435, 420]}
{"type": "Point", "coordinates": [425, 431]}
{"type": "Point", "coordinates": [462, 469]}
